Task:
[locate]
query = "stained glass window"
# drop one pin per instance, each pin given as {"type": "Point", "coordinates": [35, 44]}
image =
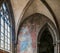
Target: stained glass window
{"type": "Point", "coordinates": [5, 29]}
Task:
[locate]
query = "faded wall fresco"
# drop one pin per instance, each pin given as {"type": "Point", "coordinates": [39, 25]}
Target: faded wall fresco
{"type": "Point", "coordinates": [26, 41]}
{"type": "Point", "coordinates": [27, 36]}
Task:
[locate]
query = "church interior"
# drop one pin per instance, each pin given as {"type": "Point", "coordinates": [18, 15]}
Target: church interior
{"type": "Point", "coordinates": [29, 26]}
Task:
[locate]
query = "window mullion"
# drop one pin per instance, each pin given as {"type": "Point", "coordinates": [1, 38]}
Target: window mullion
{"type": "Point", "coordinates": [0, 30]}
{"type": "Point", "coordinates": [11, 39]}
{"type": "Point", "coordinates": [8, 38]}
{"type": "Point", "coordinates": [4, 33]}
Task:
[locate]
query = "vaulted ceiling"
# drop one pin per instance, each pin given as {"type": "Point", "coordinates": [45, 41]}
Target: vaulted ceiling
{"type": "Point", "coordinates": [25, 8]}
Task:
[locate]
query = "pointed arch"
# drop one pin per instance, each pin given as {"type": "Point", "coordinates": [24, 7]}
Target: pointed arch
{"type": "Point", "coordinates": [45, 43]}
{"type": "Point", "coordinates": [48, 23]}
{"type": "Point", "coordinates": [46, 5]}
{"type": "Point", "coordinates": [51, 11]}
{"type": "Point", "coordinates": [51, 29]}
{"type": "Point", "coordinates": [54, 34]}
{"type": "Point", "coordinates": [42, 22]}
{"type": "Point", "coordinates": [8, 28]}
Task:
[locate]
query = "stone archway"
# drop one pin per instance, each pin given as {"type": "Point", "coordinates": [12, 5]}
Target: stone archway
{"type": "Point", "coordinates": [45, 43]}
{"type": "Point", "coordinates": [47, 39]}
{"type": "Point", "coordinates": [31, 27]}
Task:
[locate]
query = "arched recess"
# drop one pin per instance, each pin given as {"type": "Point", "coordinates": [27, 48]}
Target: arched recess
{"type": "Point", "coordinates": [7, 18]}
{"type": "Point", "coordinates": [48, 36]}
{"type": "Point", "coordinates": [45, 42]}
{"type": "Point", "coordinates": [26, 8]}
{"type": "Point", "coordinates": [34, 24]}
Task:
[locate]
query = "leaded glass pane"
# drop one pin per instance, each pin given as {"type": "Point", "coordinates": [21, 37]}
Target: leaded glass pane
{"type": "Point", "coordinates": [5, 28]}
{"type": "Point", "coordinates": [6, 39]}
{"type": "Point", "coordinates": [6, 33]}
{"type": "Point", "coordinates": [2, 21]}
{"type": "Point", "coordinates": [2, 44]}
{"type": "Point", "coordinates": [2, 29]}
{"type": "Point", "coordinates": [2, 34]}
{"type": "Point", "coordinates": [4, 7]}
{"type": "Point", "coordinates": [6, 46]}
{"type": "Point", "coordinates": [7, 16]}
{"type": "Point", "coordinates": [9, 47]}
{"type": "Point", "coordinates": [9, 41]}
{"type": "Point", "coordinates": [8, 29]}
{"type": "Point", "coordinates": [6, 25]}
{"type": "Point", "coordinates": [1, 13]}
{"type": "Point", "coordinates": [2, 37]}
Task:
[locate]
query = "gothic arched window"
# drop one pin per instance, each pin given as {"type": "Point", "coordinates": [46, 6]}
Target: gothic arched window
{"type": "Point", "coordinates": [5, 29]}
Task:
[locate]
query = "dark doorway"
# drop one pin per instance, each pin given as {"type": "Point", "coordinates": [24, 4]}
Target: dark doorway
{"type": "Point", "coordinates": [45, 42]}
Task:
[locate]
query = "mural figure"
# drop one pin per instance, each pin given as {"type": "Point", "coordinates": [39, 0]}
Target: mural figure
{"type": "Point", "coordinates": [25, 41]}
